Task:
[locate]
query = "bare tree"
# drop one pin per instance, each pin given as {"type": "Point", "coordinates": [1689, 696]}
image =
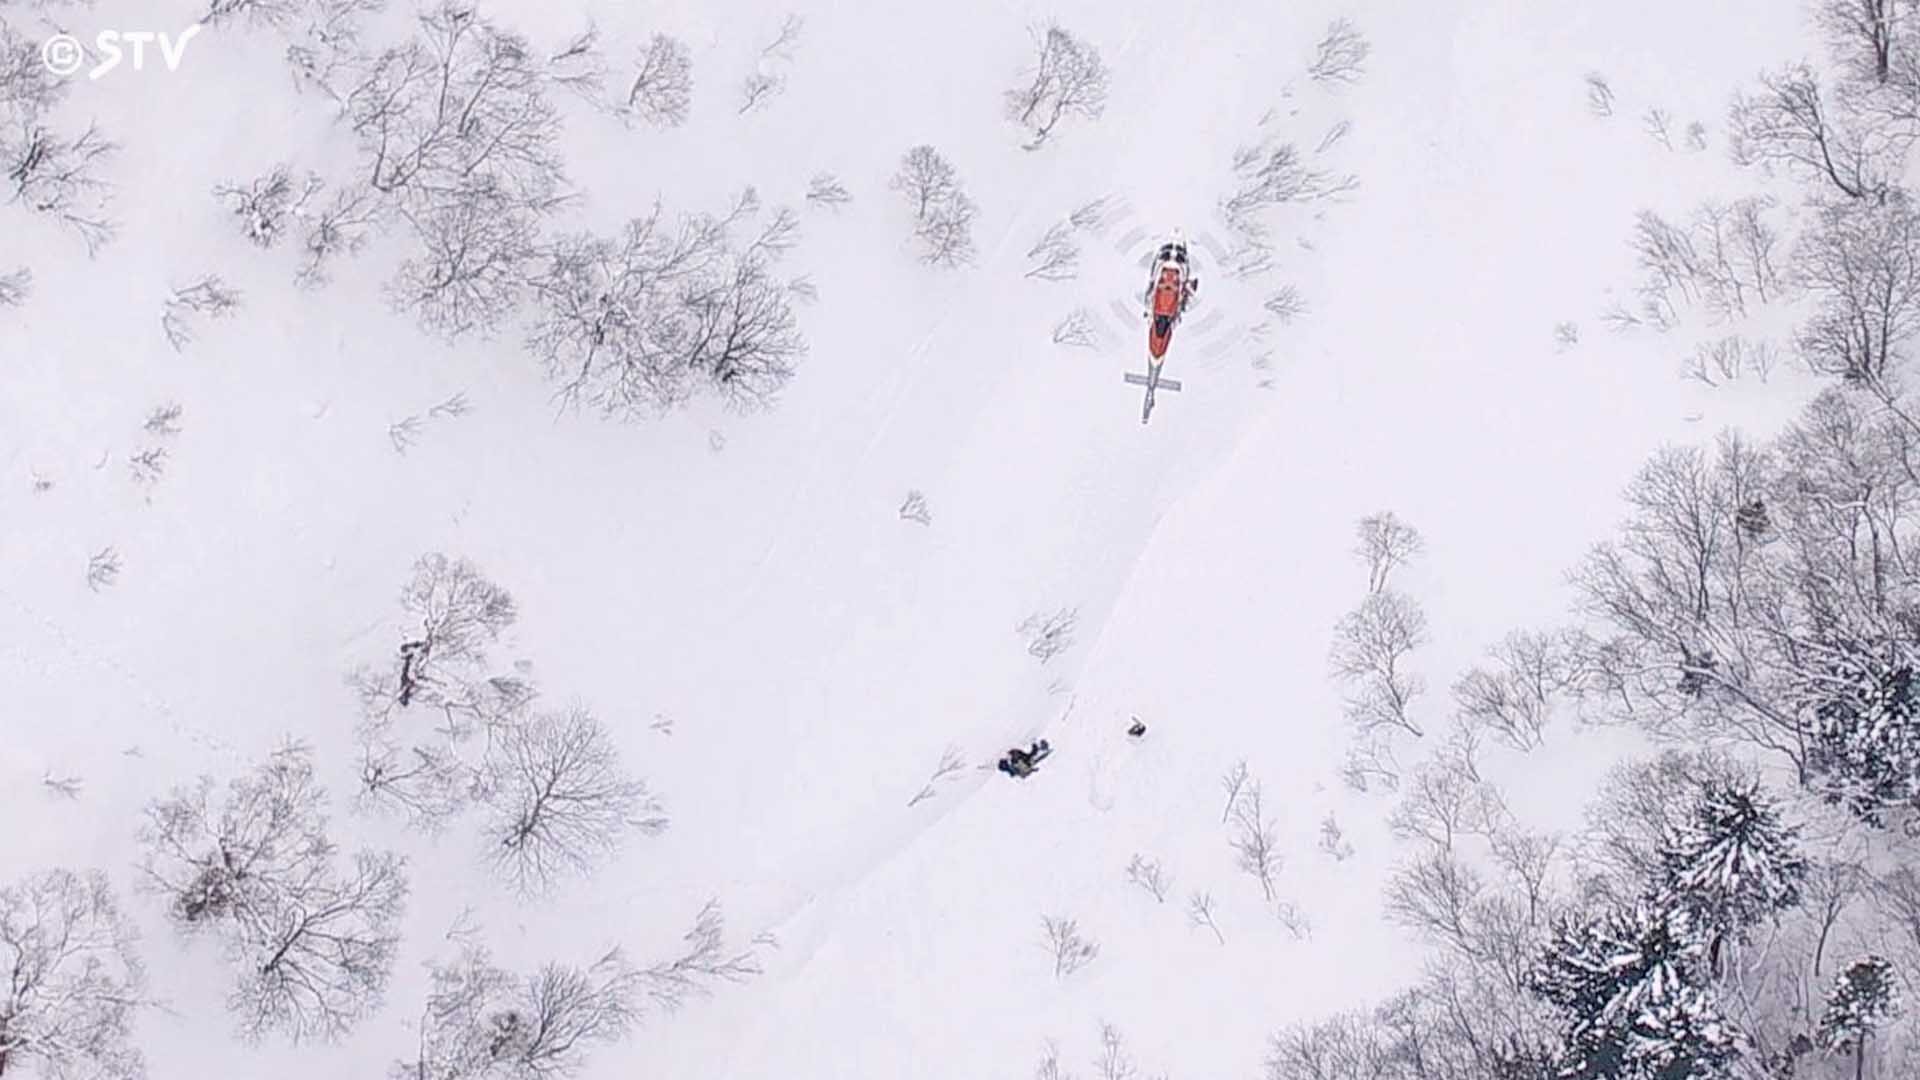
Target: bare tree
{"type": "Point", "coordinates": [914, 508]}
{"type": "Point", "coordinates": [312, 947]}
{"type": "Point", "coordinates": [147, 465]}
{"type": "Point", "coordinates": [74, 980]}
{"type": "Point", "coordinates": [1113, 1062]}
{"type": "Point", "coordinates": [458, 613]}
{"type": "Point", "coordinates": [209, 297]}
{"type": "Point", "coordinates": [1200, 913]}
{"type": "Point", "coordinates": [1076, 330]}
{"type": "Point", "coordinates": [943, 212]}
{"type": "Point", "coordinates": [1068, 77]}
{"type": "Point", "coordinates": [64, 787]}
{"type": "Point", "coordinates": [580, 67]}
{"type": "Point", "coordinates": [1048, 634]}
{"type": "Point", "coordinates": [1863, 36]}
{"type": "Point", "coordinates": [264, 12]}
{"type": "Point", "coordinates": [61, 177]}
{"type": "Point", "coordinates": [1528, 859]}
{"type": "Point", "coordinates": [330, 45]}
{"type": "Point", "coordinates": [1658, 123]}
{"type": "Point", "coordinates": [1255, 843]}
{"type": "Point", "coordinates": [705, 961]}
{"type": "Point", "coordinates": [1286, 304]}
{"type": "Point", "coordinates": [476, 247]}
{"type": "Point", "coordinates": [1383, 543]}
{"type": "Point", "coordinates": [825, 189]}
{"type": "Point", "coordinates": [1070, 950]}
{"type": "Point", "coordinates": [950, 765]}
{"type": "Point", "coordinates": [1861, 266]}
{"type": "Point", "coordinates": [662, 89]}
{"type": "Point", "coordinates": [1788, 122]}
{"type": "Point", "coordinates": [562, 802]}
{"type": "Point", "coordinates": [1151, 875]}
{"type": "Point", "coordinates": [1599, 94]}
{"type": "Point", "coordinates": [482, 1022]}
{"type": "Point", "coordinates": [1055, 255]}
{"type": "Point", "coordinates": [781, 47]}
{"type": "Point", "coordinates": [1298, 926]}
{"type": "Point", "coordinates": [318, 962]}
{"type": "Point", "coordinates": [15, 286]}
{"type": "Point", "coordinates": [1333, 840]}
{"type": "Point", "coordinates": [1436, 894]}
{"type": "Point", "coordinates": [1234, 782]}
{"type": "Point", "coordinates": [1341, 55]}
{"type": "Point", "coordinates": [759, 88]}
{"type": "Point", "coordinates": [264, 205]}
{"type": "Point", "coordinates": [339, 228]}
{"type": "Point", "coordinates": [163, 420]}
{"type": "Point", "coordinates": [1514, 697]}
{"type": "Point", "coordinates": [1441, 804]}
{"type": "Point", "coordinates": [103, 568]}
{"type": "Point", "coordinates": [1370, 653]}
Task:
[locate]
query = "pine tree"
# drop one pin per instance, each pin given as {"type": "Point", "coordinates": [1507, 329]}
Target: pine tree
{"type": "Point", "coordinates": [1865, 998]}
{"type": "Point", "coordinates": [1732, 863]}
{"type": "Point", "coordinates": [1865, 745]}
{"type": "Point", "coordinates": [1632, 986]}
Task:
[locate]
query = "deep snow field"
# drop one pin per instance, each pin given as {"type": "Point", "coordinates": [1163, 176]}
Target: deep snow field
{"type": "Point", "coordinates": [777, 652]}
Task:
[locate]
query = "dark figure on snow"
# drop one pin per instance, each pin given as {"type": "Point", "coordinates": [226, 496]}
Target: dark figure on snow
{"type": "Point", "coordinates": [1137, 729]}
{"type": "Point", "coordinates": [411, 654]}
{"type": "Point", "coordinates": [1021, 763]}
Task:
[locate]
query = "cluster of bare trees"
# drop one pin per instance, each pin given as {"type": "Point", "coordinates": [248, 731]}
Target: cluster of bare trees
{"type": "Point", "coordinates": [483, 1022]}
{"type": "Point", "coordinates": [73, 981]}
{"type": "Point", "coordinates": [311, 935]}
{"type": "Point", "coordinates": [943, 212]}
{"type": "Point", "coordinates": [441, 732]}
{"type": "Point", "coordinates": [1372, 650]}
{"type": "Point", "coordinates": [635, 324]}
{"type": "Point", "coordinates": [44, 168]}
{"type": "Point", "coordinates": [1067, 78]}
{"type": "Point", "coordinates": [1269, 174]}
{"type": "Point", "coordinates": [1112, 1062]}
{"type": "Point", "coordinates": [459, 130]}
{"type": "Point", "coordinates": [1722, 260]}
{"type": "Point", "coordinates": [768, 77]}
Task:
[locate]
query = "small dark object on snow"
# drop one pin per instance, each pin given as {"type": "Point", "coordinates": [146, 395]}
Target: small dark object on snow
{"type": "Point", "coordinates": [411, 653]}
{"type": "Point", "coordinates": [1021, 763]}
{"type": "Point", "coordinates": [1138, 729]}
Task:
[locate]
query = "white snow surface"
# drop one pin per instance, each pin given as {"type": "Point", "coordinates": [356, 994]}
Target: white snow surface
{"type": "Point", "coordinates": [814, 652]}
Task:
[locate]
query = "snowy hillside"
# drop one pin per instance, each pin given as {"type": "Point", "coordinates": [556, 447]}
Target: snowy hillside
{"type": "Point", "coordinates": [810, 629]}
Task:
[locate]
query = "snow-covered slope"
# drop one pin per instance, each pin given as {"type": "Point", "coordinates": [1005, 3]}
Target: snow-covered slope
{"type": "Point", "coordinates": [814, 652]}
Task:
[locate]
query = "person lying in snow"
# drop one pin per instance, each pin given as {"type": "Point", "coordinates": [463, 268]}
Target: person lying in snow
{"type": "Point", "coordinates": [1019, 763]}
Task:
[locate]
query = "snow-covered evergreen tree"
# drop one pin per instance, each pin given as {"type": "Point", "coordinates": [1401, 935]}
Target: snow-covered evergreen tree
{"type": "Point", "coordinates": [1865, 998]}
{"type": "Point", "coordinates": [1632, 985]}
{"type": "Point", "coordinates": [1732, 863]}
{"type": "Point", "coordinates": [1865, 747]}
